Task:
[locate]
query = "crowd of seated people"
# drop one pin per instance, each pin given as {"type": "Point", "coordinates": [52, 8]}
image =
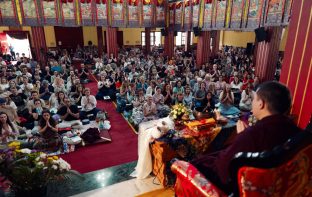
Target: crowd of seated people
{"type": "Point", "coordinates": [144, 86]}
{"type": "Point", "coordinates": [35, 101]}
{"type": "Point", "coordinates": [226, 82]}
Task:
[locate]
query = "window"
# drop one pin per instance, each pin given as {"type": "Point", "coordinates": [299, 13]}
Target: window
{"type": "Point", "coordinates": [180, 38]}
{"type": "Point", "coordinates": [155, 38]}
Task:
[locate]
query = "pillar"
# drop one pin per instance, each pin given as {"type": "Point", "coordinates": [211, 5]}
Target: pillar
{"type": "Point", "coordinates": [296, 71]}
{"type": "Point", "coordinates": [147, 40]}
{"type": "Point", "coordinates": [215, 41]}
{"type": "Point", "coordinates": [111, 41]}
{"type": "Point", "coordinates": [188, 41]}
{"type": "Point", "coordinates": [100, 40]}
{"type": "Point", "coordinates": [39, 44]}
{"type": "Point", "coordinates": [203, 48]}
{"type": "Point", "coordinates": [267, 54]}
{"type": "Point", "coordinates": [169, 43]}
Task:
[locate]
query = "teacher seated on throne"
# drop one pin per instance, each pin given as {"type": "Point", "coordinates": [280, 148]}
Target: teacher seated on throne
{"type": "Point", "coordinates": [270, 106]}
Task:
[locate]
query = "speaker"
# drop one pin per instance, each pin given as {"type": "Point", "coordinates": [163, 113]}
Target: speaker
{"type": "Point", "coordinates": [196, 31]}
{"type": "Point", "coordinates": [175, 33]}
{"type": "Point", "coordinates": [163, 32]}
{"type": "Point", "coordinates": [261, 34]}
{"type": "Point", "coordinates": [249, 48]}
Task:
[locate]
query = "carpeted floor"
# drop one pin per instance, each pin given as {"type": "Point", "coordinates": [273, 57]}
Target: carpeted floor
{"type": "Point", "coordinates": [122, 149]}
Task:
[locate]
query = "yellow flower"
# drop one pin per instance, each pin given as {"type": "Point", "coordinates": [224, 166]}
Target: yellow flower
{"type": "Point", "coordinates": [15, 144]}
{"type": "Point", "coordinates": [55, 157]}
{"type": "Point", "coordinates": [50, 159]}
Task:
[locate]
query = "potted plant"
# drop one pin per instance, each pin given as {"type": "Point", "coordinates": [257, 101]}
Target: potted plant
{"type": "Point", "coordinates": [29, 172]}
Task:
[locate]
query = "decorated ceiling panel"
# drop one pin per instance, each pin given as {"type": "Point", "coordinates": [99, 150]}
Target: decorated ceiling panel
{"type": "Point", "coordinates": [180, 15]}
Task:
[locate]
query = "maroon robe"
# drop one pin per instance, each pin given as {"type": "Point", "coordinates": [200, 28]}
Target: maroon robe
{"type": "Point", "coordinates": [267, 133]}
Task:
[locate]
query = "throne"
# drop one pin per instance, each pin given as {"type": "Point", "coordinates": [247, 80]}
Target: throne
{"type": "Point", "coordinates": [284, 171]}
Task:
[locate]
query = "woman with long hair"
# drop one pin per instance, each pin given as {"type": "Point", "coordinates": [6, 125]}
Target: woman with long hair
{"type": "Point", "coordinates": [77, 95]}
{"type": "Point", "coordinates": [49, 138]}
{"type": "Point", "coordinates": [8, 131]}
{"type": "Point", "coordinates": [168, 95]}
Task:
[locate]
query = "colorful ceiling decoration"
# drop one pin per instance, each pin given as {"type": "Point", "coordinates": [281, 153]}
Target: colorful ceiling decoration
{"type": "Point", "coordinates": [180, 15]}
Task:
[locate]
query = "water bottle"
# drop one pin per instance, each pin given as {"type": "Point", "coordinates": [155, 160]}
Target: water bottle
{"type": "Point", "coordinates": [66, 149]}
{"type": "Point", "coordinates": [101, 125]}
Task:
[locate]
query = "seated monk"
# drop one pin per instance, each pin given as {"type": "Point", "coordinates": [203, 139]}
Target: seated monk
{"type": "Point", "coordinates": [271, 103]}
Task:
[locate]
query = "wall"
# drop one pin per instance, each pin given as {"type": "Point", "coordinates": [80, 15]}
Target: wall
{"type": "Point", "coordinates": [89, 34]}
{"type": "Point", "coordinates": [50, 36]}
{"type": "Point", "coordinates": [132, 36]}
{"type": "Point", "coordinates": [3, 28]}
{"type": "Point", "coordinates": [297, 65]}
{"type": "Point", "coordinates": [237, 38]}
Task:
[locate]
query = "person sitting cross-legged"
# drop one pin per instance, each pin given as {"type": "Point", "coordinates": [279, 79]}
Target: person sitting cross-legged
{"type": "Point", "coordinates": [88, 104]}
{"type": "Point", "coordinates": [271, 105]}
{"type": "Point", "coordinates": [69, 114]}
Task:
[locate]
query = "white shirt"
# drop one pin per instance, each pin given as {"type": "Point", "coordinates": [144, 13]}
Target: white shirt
{"type": "Point", "coordinates": [89, 103]}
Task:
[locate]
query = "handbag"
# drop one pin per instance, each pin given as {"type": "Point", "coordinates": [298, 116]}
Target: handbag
{"type": "Point", "coordinates": [91, 135]}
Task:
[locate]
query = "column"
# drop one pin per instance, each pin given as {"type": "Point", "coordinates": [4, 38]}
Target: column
{"type": "Point", "coordinates": [147, 40]}
{"type": "Point", "coordinates": [215, 42]}
{"type": "Point", "coordinates": [111, 41]}
{"type": "Point", "coordinates": [40, 46]}
{"type": "Point", "coordinates": [169, 43]}
{"type": "Point", "coordinates": [203, 48]}
{"type": "Point", "coordinates": [188, 41]}
{"type": "Point", "coordinates": [100, 40]}
{"type": "Point", "coordinates": [297, 65]}
{"type": "Point", "coordinates": [267, 54]}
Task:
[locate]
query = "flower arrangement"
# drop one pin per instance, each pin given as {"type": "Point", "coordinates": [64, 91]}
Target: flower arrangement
{"type": "Point", "coordinates": [28, 171]}
{"type": "Point", "coordinates": [178, 111]}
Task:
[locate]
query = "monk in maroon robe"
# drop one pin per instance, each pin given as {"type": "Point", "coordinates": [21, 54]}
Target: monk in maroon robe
{"type": "Point", "coordinates": [270, 105]}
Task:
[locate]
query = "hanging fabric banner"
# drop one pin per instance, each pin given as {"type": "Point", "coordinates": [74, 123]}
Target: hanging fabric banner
{"type": "Point", "coordinates": [87, 14]}
{"type": "Point", "coordinates": [30, 12]}
{"type": "Point", "coordinates": [171, 14]}
{"type": "Point", "coordinates": [195, 13]}
{"type": "Point", "coordinates": [117, 14]}
{"type": "Point", "coordinates": [178, 15]}
{"type": "Point", "coordinates": [220, 14]}
{"type": "Point", "coordinates": [147, 13]}
{"type": "Point", "coordinates": [68, 13]}
{"type": "Point", "coordinates": [254, 14]}
{"type": "Point", "coordinates": [49, 12]}
{"type": "Point", "coordinates": [208, 11]}
{"type": "Point", "coordinates": [287, 11]}
{"type": "Point", "coordinates": [237, 14]}
{"type": "Point", "coordinates": [101, 13]}
{"type": "Point", "coordinates": [274, 12]}
{"type": "Point", "coordinates": [133, 13]}
{"type": "Point", "coordinates": [8, 13]}
{"type": "Point", "coordinates": [187, 22]}
{"type": "Point", "coordinates": [160, 13]}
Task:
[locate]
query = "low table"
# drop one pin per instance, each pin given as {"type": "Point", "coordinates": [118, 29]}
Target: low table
{"type": "Point", "coordinates": [163, 153]}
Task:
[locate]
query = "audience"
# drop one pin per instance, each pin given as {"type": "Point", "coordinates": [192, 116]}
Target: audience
{"type": "Point", "coordinates": [144, 87]}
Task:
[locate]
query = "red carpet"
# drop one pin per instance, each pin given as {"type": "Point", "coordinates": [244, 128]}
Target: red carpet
{"type": "Point", "coordinates": [122, 149]}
